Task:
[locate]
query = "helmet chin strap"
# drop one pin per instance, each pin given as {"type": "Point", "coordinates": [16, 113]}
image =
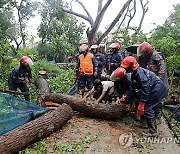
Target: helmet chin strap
{"type": "Point", "coordinates": [129, 69]}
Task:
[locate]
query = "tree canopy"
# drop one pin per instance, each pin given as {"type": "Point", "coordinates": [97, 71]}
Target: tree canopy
{"type": "Point", "coordinates": [60, 33]}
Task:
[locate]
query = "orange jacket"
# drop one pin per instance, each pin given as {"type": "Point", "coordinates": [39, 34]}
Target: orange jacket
{"type": "Point", "coordinates": [86, 64]}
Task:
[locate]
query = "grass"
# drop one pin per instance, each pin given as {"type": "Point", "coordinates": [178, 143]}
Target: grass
{"type": "Point", "coordinates": [76, 147]}
{"type": "Point", "coordinates": [37, 148]}
{"type": "Point", "coordinates": [69, 148]}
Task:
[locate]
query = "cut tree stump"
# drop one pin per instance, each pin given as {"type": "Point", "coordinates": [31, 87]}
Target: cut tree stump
{"type": "Point", "coordinates": [42, 85]}
{"type": "Point", "coordinates": [25, 135]}
{"type": "Point", "coordinates": [102, 111]}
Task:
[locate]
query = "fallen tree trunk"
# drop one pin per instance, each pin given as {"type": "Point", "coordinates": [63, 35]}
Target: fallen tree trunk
{"type": "Point", "coordinates": [172, 100]}
{"type": "Point", "coordinates": [42, 85]}
{"type": "Point", "coordinates": [31, 132]}
{"type": "Point", "coordinates": [102, 111]}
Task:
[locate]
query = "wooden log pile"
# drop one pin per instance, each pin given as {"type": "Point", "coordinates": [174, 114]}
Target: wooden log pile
{"type": "Point", "coordinates": [25, 135]}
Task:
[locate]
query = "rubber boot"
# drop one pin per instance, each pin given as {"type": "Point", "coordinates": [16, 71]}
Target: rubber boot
{"type": "Point", "coordinates": [142, 123]}
{"type": "Point", "coordinates": [158, 114]}
{"type": "Point", "coordinates": [152, 127]}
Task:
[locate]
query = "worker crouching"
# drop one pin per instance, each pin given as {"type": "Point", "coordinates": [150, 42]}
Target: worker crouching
{"type": "Point", "coordinates": [21, 76]}
{"type": "Point", "coordinates": [151, 91]}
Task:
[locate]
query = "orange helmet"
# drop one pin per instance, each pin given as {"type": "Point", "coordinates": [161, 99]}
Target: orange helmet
{"type": "Point", "coordinates": [26, 60]}
{"type": "Point", "coordinates": [129, 61]}
{"type": "Point", "coordinates": [115, 45]}
{"type": "Point", "coordinates": [118, 74]}
{"type": "Point", "coordinates": [143, 47]}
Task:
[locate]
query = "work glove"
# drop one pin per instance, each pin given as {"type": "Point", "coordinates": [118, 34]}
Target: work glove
{"type": "Point", "coordinates": [140, 109]}
{"type": "Point", "coordinates": [123, 100]}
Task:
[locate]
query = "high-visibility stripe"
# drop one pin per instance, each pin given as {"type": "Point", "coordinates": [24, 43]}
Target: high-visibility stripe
{"type": "Point", "coordinates": [86, 64]}
{"type": "Point", "coordinates": [152, 65]}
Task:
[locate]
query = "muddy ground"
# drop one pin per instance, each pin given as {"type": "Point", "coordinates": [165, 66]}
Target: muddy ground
{"type": "Point", "coordinates": [97, 136]}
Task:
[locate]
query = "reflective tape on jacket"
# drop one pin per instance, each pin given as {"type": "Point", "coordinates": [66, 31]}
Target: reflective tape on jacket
{"type": "Point", "coordinates": [152, 65]}
{"type": "Point", "coordinates": [86, 64]}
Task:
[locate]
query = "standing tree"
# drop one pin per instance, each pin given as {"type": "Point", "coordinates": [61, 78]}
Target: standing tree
{"type": "Point", "coordinates": [91, 32]}
{"type": "Point", "coordinates": [24, 10]}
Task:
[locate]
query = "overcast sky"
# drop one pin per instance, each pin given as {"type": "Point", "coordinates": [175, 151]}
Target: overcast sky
{"type": "Point", "coordinates": [159, 10]}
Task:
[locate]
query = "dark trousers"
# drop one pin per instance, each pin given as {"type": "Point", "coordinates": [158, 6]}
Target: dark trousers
{"type": "Point", "coordinates": [22, 86]}
{"type": "Point", "coordinates": [150, 109]}
{"type": "Point", "coordinates": [86, 81]}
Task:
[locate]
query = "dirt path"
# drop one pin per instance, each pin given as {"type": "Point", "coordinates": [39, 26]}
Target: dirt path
{"type": "Point", "coordinates": [102, 137]}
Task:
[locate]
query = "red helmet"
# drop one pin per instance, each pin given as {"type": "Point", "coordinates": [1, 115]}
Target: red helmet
{"type": "Point", "coordinates": [127, 61]}
{"type": "Point", "coordinates": [26, 60]}
{"type": "Point", "coordinates": [115, 45]}
{"type": "Point", "coordinates": [143, 47]}
{"type": "Point", "coordinates": [118, 74]}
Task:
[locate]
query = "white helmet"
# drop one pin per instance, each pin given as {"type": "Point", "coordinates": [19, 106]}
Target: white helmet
{"type": "Point", "coordinates": [115, 45]}
{"type": "Point", "coordinates": [95, 46]}
{"type": "Point", "coordinates": [83, 47]}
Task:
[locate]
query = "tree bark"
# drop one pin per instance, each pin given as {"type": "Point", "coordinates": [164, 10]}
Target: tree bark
{"type": "Point", "coordinates": [144, 11]}
{"type": "Point", "coordinates": [23, 136]}
{"type": "Point", "coordinates": [102, 111]}
{"type": "Point", "coordinates": [171, 102]}
{"type": "Point", "coordinates": [42, 85]}
{"type": "Point", "coordinates": [116, 19]}
{"type": "Point", "coordinates": [91, 32]}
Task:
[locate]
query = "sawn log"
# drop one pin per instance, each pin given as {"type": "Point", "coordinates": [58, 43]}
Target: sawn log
{"type": "Point", "coordinates": [102, 111]}
{"type": "Point", "coordinates": [21, 137]}
{"type": "Point", "coordinates": [42, 85]}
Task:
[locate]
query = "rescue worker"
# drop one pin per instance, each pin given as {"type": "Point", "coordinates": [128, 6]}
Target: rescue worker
{"type": "Point", "coordinates": [153, 61]}
{"type": "Point", "coordinates": [114, 58]}
{"type": "Point", "coordinates": [86, 68]}
{"type": "Point", "coordinates": [99, 58]}
{"type": "Point", "coordinates": [102, 90]}
{"type": "Point", "coordinates": [107, 59]}
{"type": "Point", "coordinates": [21, 76]}
{"type": "Point", "coordinates": [151, 90]}
{"type": "Point", "coordinates": [122, 82]}
{"type": "Point", "coordinates": [77, 80]}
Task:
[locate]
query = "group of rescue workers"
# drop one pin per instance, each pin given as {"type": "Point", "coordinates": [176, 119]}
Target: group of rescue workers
{"type": "Point", "coordinates": [141, 81]}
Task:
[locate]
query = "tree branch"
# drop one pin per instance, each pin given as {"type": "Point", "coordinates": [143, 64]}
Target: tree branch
{"type": "Point", "coordinates": [87, 12]}
{"type": "Point", "coordinates": [99, 6]}
{"type": "Point", "coordinates": [100, 16]}
{"type": "Point", "coordinates": [114, 21]}
{"type": "Point", "coordinates": [131, 16]}
{"type": "Point", "coordinates": [123, 18]}
{"type": "Point", "coordinates": [79, 15]}
{"type": "Point", "coordinates": [144, 9]}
